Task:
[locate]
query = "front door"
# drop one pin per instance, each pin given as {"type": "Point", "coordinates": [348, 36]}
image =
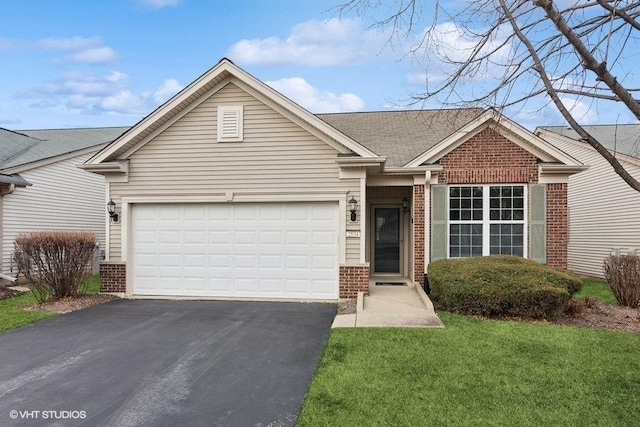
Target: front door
{"type": "Point", "coordinates": [386, 240]}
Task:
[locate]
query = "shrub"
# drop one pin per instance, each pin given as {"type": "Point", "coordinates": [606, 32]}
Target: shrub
{"type": "Point", "coordinates": [55, 263]}
{"type": "Point", "coordinates": [623, 274]}
{"type": "Point", "coordinates": [501, 286]}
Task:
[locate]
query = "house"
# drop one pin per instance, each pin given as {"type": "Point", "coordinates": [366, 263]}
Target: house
{"type": "Point", "coordinates": [41, 187]}
{"type": "Point", "coordinates": [603, 209]}
{"type": "Point", "coordinates": [230, 189]}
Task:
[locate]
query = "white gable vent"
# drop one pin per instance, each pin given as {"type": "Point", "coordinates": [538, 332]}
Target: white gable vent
{"type": "Point", "coordinates": [230, 123]}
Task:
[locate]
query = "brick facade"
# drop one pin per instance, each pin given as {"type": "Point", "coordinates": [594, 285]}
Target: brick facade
{"type": "Point", "coordinates": [488, 158]}
{"type": "Point", "coordinates": [113, 277]}
{"type": "Point", "coordinates": [418, 234]}
{"type": "Point", "coordinates": [353, 279]}
{"type": "Point", "coordinates": [557, 225]}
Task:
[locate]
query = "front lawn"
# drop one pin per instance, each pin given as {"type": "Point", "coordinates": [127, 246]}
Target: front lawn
{"type": "Point", "coordinates": [596, 289]}
{"type": "Point", "coordinates": [12, 314]}
{"type": "Point", "coordinates": [476, 372]}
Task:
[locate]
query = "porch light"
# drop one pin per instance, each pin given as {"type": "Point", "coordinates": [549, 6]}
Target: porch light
{"type": "Point", "coordinates": [353, 207]}
{"type": "Point", "coordinates": [405, 204]}
{"type": "Point", "coordinates": [111, 208]}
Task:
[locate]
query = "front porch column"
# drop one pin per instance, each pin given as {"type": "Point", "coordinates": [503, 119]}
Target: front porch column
{"type": "Point", "coordinates": [418, 234]}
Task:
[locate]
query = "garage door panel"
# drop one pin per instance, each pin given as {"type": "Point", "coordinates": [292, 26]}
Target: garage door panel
{"type": "Point", "coordinates": [258, 250]}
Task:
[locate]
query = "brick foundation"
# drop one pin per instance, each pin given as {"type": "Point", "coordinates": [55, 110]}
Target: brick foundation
{"type": "Point", "coordinates": [557, 225]}
{"type": "Point", "coordinates": [113, 277]}
{"type": "Point", "coordinates": [418, 234]}
{"type": "Point", "coordinates": [354, 279]}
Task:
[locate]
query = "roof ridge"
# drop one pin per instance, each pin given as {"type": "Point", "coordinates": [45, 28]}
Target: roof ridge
{"type": "Point", "coordinates": [402, 111]}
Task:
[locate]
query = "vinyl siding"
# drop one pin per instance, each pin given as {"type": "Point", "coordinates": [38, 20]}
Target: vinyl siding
{"type": "Point", "coordinates": [62, 197]}
{"type": "Point", "coordinates": [603, 210]}
{"type": "Point", "coordinates": [276, 157]}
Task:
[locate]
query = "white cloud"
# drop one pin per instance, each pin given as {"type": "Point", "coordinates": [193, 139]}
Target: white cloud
{"type": "Point", "coordinates": [583, 113]}
{"type": "Point", "coordinates": [95, 94]}
{"type": "Point", "coordinates": [316, 43]}
{"type": "Point", "coordinates": [69, 43]}
{"type": "Point", "coordinates": [314, 100]}
{"type": "Point", "coordinates": [98, 55]}
{"type": "Point", "coordinates": [166, 90]}
{"type": "Point", "coordinates": [159, 4]}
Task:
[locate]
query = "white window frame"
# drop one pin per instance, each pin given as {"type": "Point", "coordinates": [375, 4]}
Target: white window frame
{"type": "Point", "coordinates": [486, 221]}
{"type": "Point", "coordinates": [233, 110]}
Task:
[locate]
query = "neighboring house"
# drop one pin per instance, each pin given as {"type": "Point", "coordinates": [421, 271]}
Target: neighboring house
{"type": "Point", "coordinates": [604, 212]}
{"type": "Point", "coordinates": [42, 188]}
{"type": "Point", "coordinates": [230, 189]}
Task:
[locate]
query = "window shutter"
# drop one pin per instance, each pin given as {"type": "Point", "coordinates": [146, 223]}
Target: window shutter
{"type": "Point", "coordinates": [538, 222]}
{"type": "Point", "coordinates": [230, 123]}
{"type": "Point", "coordinates": [438, 222]}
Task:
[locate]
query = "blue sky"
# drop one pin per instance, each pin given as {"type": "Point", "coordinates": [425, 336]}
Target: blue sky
{"type": "Point", "coordinates": [73, 63]}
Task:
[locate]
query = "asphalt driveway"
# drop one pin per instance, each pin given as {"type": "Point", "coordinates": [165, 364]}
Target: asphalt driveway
{"type": "Point", "coordinates": [164, 363]}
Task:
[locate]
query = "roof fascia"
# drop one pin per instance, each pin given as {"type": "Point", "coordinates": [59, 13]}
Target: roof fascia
{"type": "Point", "coordinates": [250, 82]}
{"type": "Point", "coordinates": [545, 133]}
{"type": "Point", "coordinates": [296, 113]}
{"type": "Point", "coordinates": [50, 160]}
{"type": "Point", "coordinates": [514, 132]}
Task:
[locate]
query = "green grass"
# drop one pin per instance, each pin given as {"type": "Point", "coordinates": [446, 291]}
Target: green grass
{"type": "Point", "coordinates": [13, 316]}
{"type": "Point", "coordinates": [476, 373]}
{"type": "Point", "coordinates": [596, 289]}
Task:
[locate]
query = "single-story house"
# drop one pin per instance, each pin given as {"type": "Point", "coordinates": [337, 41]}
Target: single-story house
{"type": "Point", "coordinates": [603, 209]}
{"type": "Point", "coordinates": [230, 189]}
{"type": "Point", "coordinates": [41, 187]}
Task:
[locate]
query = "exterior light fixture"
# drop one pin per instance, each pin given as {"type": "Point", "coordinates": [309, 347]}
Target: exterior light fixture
{"type": "Point", "coordinates": [353, 207]}
{"type": "Point", "coordinates": [111, 208]}
{"type": "Point", "coordinates": [405, 204]}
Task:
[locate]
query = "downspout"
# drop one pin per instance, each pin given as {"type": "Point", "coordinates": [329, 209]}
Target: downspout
{"type": "Point", "coordinates": [3, 192]}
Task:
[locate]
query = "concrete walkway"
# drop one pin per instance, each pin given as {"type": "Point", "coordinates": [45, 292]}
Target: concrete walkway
{"type": "Point", "coordinates": [391, 306]}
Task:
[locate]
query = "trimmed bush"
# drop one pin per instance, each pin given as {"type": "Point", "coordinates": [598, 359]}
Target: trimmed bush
{"type": "Point", "coordinates": [623, 274]}
{"type": "Point", "coordinates": [501, 285]}
{"type": "Point", "coordinates": [55, 263]}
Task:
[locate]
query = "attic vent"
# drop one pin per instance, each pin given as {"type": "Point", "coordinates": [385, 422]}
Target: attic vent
{"type": "Point", "coordinates": [229, 123]}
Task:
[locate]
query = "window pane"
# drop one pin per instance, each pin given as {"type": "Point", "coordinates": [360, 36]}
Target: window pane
{"type": "Point", "coordinates": [465, 191]}
{"type": "Point", "coordinates": [454, 191]}
{"type": "Point", "coordinates": [454, 215]}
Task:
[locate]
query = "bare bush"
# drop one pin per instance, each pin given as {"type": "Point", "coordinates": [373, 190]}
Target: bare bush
{"type": "Point", "coordinates": [55, 263]}
{"type": "Point", "coordinates": [623, 274]}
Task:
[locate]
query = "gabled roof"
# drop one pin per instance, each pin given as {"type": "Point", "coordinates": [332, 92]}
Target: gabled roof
{"type": "Point", "coordinates": [210, 82]}
{"type": "Point", "coordinates": [624, 139]}
{"type": "Point", "coordinates": [537, 146]}
{"type": "Point", "coordinates": [28, 146]}
{"type": "Point", "coordinates": [401, 136]}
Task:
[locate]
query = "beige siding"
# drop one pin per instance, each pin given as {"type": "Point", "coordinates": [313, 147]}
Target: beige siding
{"type": "Point", "coordinates": [603, 211]}
{"type": "Point", "coordinates": [62, 197]}
{"type": "Point", "coordinates": [276, 157]}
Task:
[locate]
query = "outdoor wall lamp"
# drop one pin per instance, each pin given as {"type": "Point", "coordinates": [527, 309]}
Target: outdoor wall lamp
{"type": "Point", "coordinates": [405, 204]}
{"type": "Point", "coordinates": [353, 207]}
{"type": "Point", "coordinates": [111, 208]}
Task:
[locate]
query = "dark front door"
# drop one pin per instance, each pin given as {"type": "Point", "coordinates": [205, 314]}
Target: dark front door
{"type": "Point", "coordinates": [386, 240]}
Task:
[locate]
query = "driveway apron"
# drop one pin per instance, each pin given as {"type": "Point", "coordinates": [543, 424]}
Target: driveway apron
{"type": "Point", "coordinates": [164, 363]}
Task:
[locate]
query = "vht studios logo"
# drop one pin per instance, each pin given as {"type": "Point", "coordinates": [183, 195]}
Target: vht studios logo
{"type": "Point", "coordinates": [48, 415]}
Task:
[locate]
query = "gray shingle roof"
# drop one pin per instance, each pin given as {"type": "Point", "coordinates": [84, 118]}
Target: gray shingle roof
{"type": "Point", "coordinates": [624, 139]}
{"type": "Point", "coordinates": [13, 143]}
{"type": "Point", "coordinates": [27, 146]}
{"type": "Point", "coordinates": [400, 136]}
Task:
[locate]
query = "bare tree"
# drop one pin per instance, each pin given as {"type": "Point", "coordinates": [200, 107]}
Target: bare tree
{"type": "Point", "coordinates": [505, 53]}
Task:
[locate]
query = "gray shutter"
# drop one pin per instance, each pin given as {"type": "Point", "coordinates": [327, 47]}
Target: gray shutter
{"type": "Point", "coordinates": [538, 222]}
{"type": "Point", "coordinates": [438, 222]}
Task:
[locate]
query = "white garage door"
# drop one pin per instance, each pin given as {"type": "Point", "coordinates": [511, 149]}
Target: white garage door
{"type": "Point", "coordinates": [252, 250]}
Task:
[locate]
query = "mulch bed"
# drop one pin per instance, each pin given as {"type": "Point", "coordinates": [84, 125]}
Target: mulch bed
{"type": "Point", "coordinates": [7, 293]}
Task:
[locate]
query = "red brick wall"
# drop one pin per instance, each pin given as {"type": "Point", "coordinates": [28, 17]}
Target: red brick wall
{"type": "Point", "coordinates": [113, 277]}
{"type": "Point", "coordinates": [488, 158]}
{"type": "Point", "coordinates": [353, 279]}
{"type": "Point", "coordinates": [557, 225]}
{"type": "Point", "coordinates": [418, 234]}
